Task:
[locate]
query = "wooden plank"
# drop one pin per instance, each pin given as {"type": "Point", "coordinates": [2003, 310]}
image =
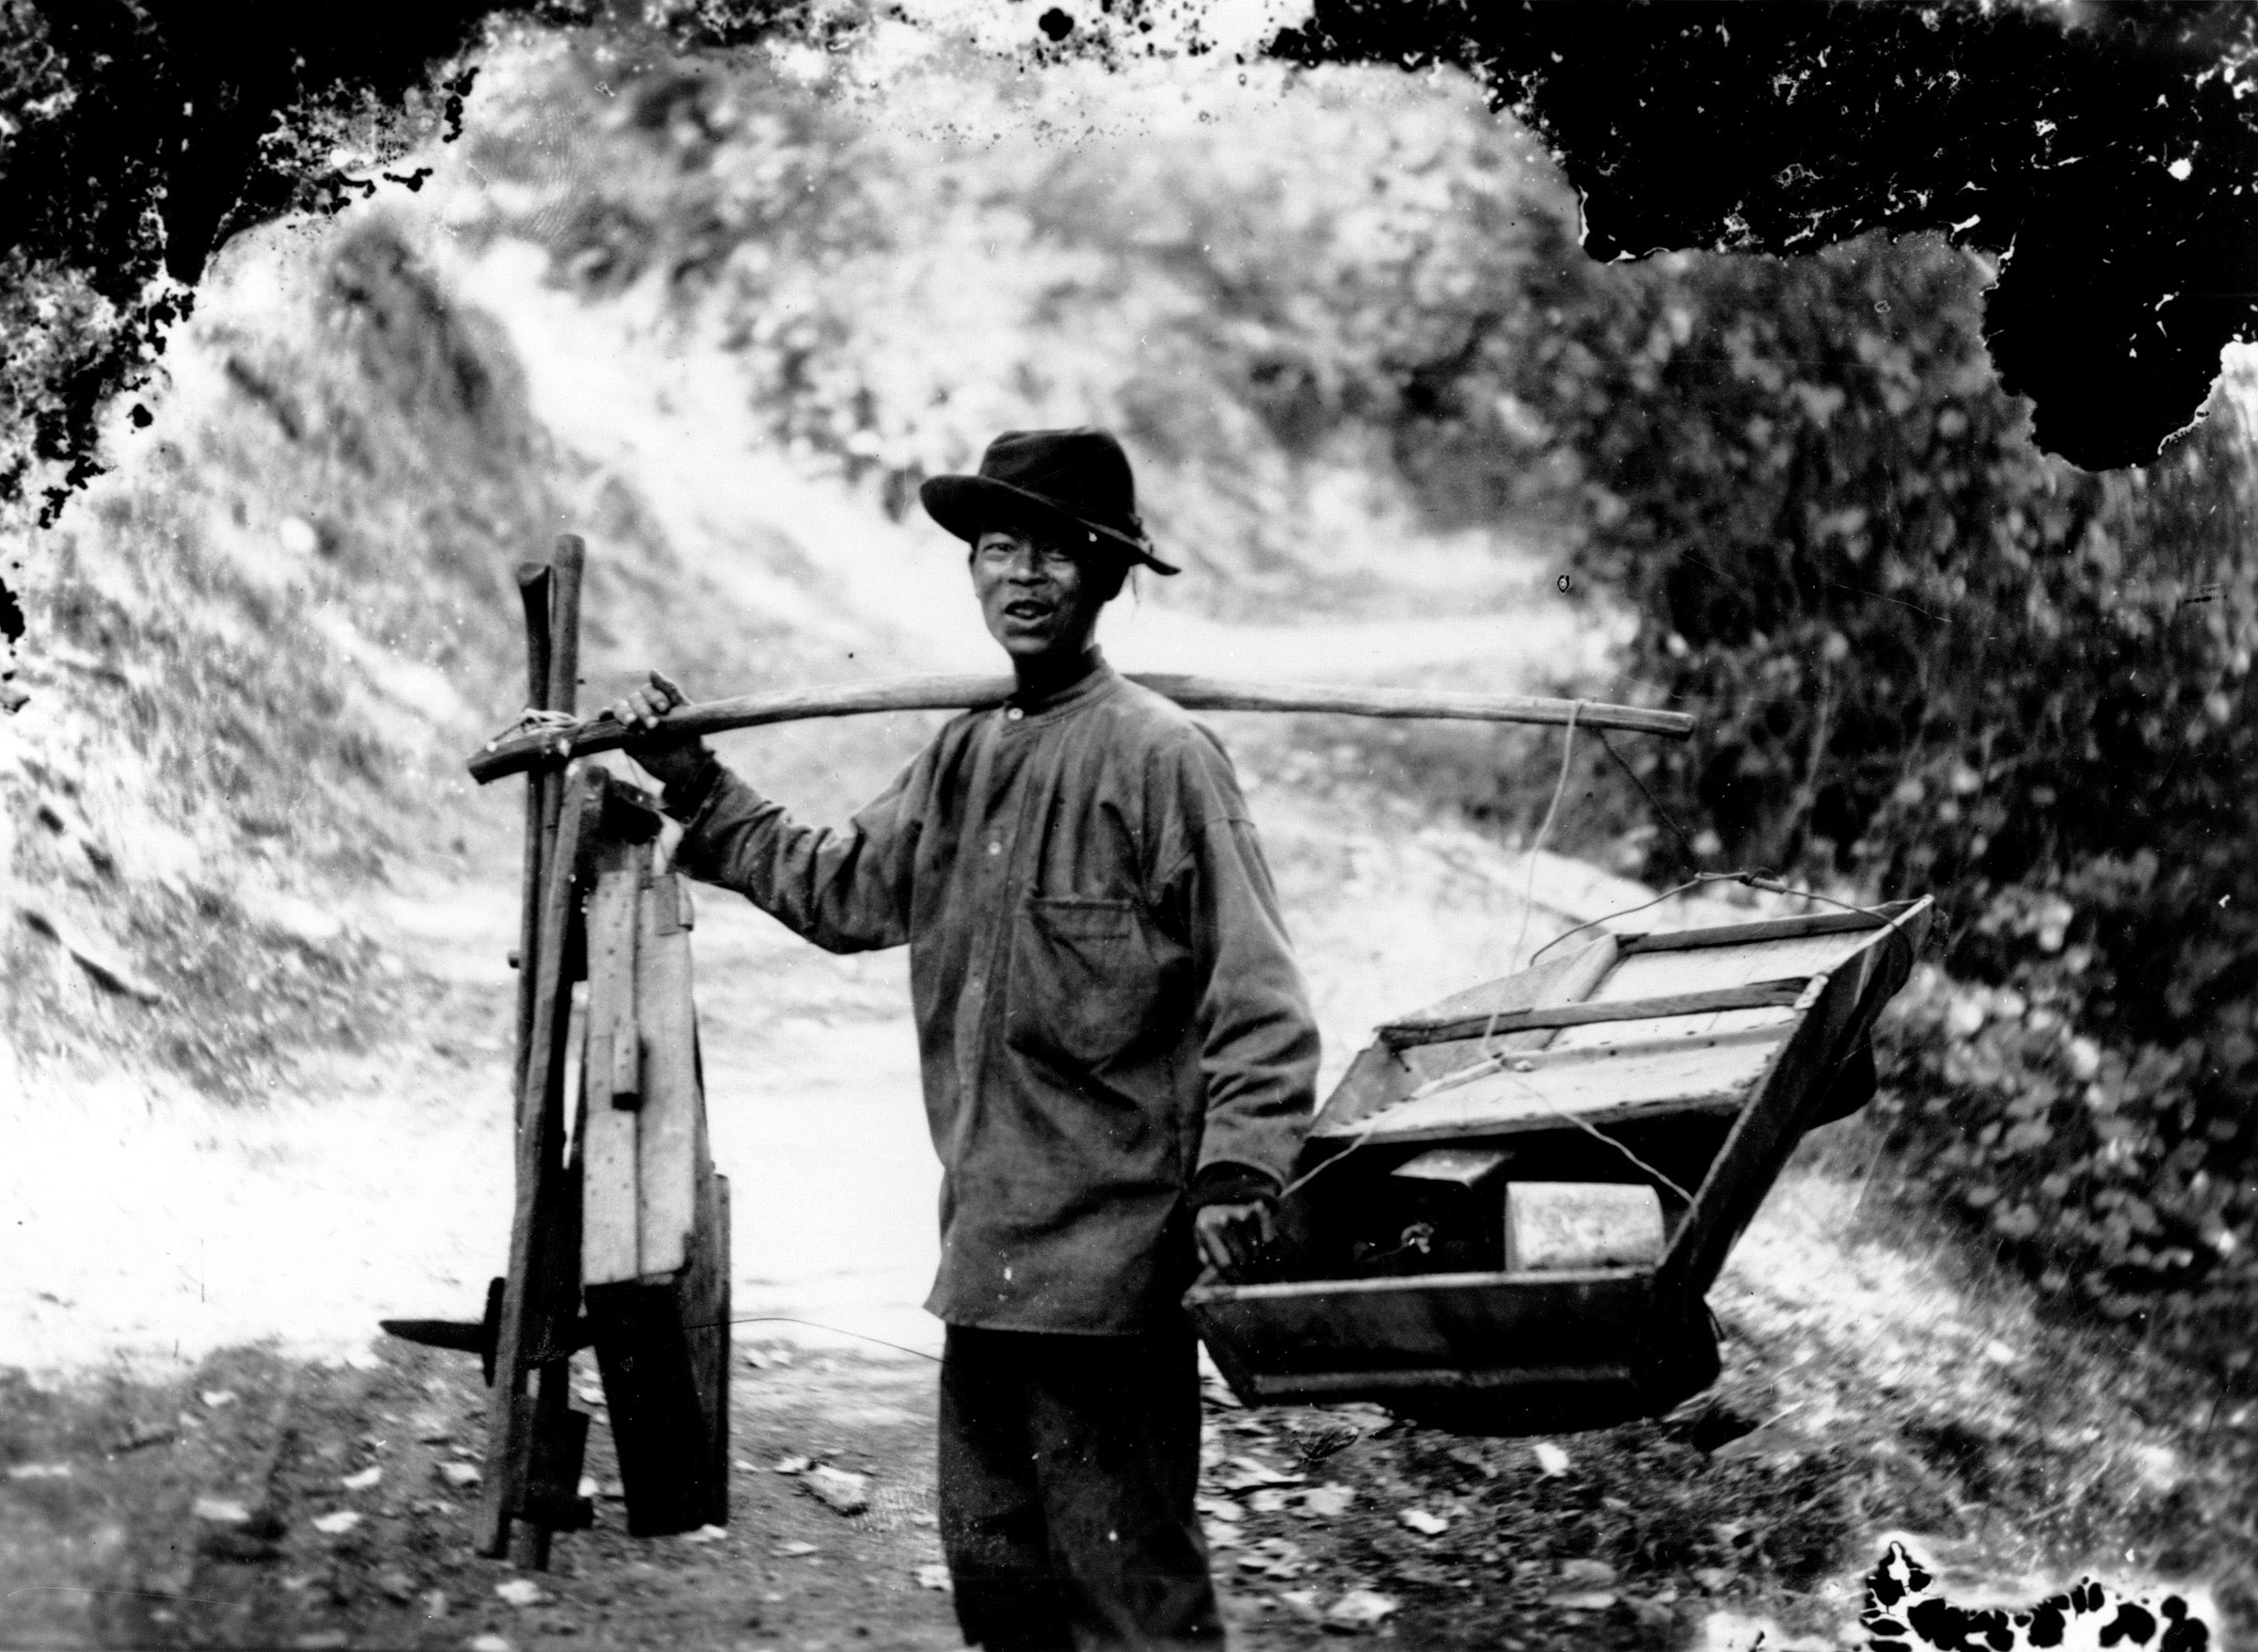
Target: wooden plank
{"type": "Point", "coordinates": [1666, 1046]}
{"type": "Point", "coordinates": [614, 1059]}
{"type": "Point", "coordinates": [557, 1441]}
{"type": "Point", "coordinates": [1716, 1074]}
{"type": "Point", "coordinates": [1497, 1119]}
{"type": "Point", "coordinates": [1314, 1386]}
{"type": "Point", "coordinates": [508, 754]}
{"type": "Point", "coordinates": [709, 1333]}
{"type": "Point", "coordinates": [1644, 975]}
{"type": "Point", "coordinates": [651, 1393]}
{"type": "Point", "coordinates": [1378, 1078]}
{"type": "Point", "coordinates": [663, 1349]}
{"type": "Point", "coordinates": [1211, 1290]}
{"type": "Point", "coordinates": [1755, 995]}
{"type": "Point", "coordinates": [1583, 975]}
{"type": "Point", "coordinates": [1844, 1007]}
{"type": "Point", "coordinates": [552, 1292]}
{"type": "Point", "coordinates": [1666, 975]}
{"type": "Point", "coordinates": [672, 892]}
{"type": "Point", "coordinates": [663, 1338]}
{"type": "Point", "coordinates": [563, 690]}
{"type": "Point", "coordinates": [532, 592]}
{"type": "Point", "coordinates": [671, 1164]}
{"type": "Point", "coordinates": [552, 1328]}
{"type": "Point", "coordinates": [1424, 1321]}
{"type": "Point", "coordinates": [539, 1151]}
{"type": "Point", "coordinates": [1653, 974]}
{"type": "Point", "coordinates": [664, 1357]}
{"type": "Point", "coordinates": [570, 562]}
{"type": "Point", "coordinates": [611, 1226]}
{"type": "Point", "coordinates": [1814, 923]}
{"type": "Point", "coordinates": [1554, 981]}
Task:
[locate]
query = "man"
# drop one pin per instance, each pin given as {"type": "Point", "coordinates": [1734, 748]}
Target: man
{"type": "Point", "coordinates": [1116, 1046]}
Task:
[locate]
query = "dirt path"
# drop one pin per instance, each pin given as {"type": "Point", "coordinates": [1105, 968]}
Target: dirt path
{"type": "Point", "coordinates": [261, 1499]}
{"type": "Point", "coordinates": [1871, 1386]}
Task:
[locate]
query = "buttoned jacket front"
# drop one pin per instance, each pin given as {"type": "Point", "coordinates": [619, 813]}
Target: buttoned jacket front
{"type": "Point", "coordinates": [1105, 997]}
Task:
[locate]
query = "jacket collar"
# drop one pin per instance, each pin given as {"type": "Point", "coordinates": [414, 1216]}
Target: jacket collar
{"type": "Point", "coordinates": [1098, 682]}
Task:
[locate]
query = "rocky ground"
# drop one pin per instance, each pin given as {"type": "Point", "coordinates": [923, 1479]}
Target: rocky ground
{"type": "Point", "coordinates": [262, 1500]}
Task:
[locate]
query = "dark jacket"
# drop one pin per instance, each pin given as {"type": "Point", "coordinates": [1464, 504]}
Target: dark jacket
{"type": "Point", "coordinates": [1104, 995]}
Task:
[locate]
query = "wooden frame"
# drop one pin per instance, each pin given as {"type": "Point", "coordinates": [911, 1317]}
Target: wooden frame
{"type": "Point", "coordinates": [1601, 1345]}
{"type": "Point", "coordinates": [1405, 1034]}
{"type": "Point", "coordinates": [634, 1224]}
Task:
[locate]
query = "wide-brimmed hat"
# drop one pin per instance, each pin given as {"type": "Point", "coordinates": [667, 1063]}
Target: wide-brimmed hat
{"type": "Point", "coordinates": [1074, 480]}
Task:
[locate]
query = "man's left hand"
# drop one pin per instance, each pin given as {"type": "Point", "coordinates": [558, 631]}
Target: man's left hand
{"type": "Point", "coordinates": [1232, 1237]}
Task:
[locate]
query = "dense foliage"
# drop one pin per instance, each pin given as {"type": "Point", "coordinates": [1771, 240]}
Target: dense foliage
{"type": "Point", "coordinates": [2106, 145]}
{"type": "Point", "coordinates": [1929, 659]}
{"type": "Point", "coordinates": [137, 137]}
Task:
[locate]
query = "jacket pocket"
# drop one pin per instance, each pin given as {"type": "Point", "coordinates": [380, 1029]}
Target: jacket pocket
{"type": "Point", "coordinates": [1084, 980]}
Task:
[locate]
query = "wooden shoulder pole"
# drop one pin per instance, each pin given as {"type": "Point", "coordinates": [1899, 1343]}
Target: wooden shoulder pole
{"type": "Point", "coordinates": [506, 753]}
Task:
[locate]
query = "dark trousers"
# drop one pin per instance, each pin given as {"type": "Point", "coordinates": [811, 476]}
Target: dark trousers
{"type": "Point", "coordinates": [1068, 1469]}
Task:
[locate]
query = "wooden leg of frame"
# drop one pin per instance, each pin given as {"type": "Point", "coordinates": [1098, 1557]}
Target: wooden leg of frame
{"type": "Point", "coordinates": [540, 1220]}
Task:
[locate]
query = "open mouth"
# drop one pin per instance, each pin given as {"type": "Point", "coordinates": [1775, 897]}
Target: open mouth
{"type": "Point", "coordinates": [1023, 610]}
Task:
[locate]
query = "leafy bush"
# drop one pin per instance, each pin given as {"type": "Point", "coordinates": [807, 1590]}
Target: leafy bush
{"type": "Point", "coordinates": [1929, 657]}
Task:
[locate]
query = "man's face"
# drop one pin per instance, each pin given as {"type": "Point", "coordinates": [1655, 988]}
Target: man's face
{"type": "Point", "coordinates": [1040, 603]}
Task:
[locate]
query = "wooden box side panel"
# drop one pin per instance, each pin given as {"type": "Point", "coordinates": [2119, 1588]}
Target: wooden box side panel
{"type": "Point", "coordinates": [1378, 1078]}
{"type": "Point", "coordinates": [671, 1162]}
{"type": "Point", "coordinates": [1689, 1077]}
{"type": "Point", "coordinates": [1841, 1013]}
{"type": "Point", "coordinates": [609, 1249]}
{"type": "Point", "coordinates": [1467, 1320]}
{"type": "Point", "coordinates": [663, 1349]}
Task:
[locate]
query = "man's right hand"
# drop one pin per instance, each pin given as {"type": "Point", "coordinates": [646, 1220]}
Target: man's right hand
{"type": "Point", "coordinates": [671, 758]}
